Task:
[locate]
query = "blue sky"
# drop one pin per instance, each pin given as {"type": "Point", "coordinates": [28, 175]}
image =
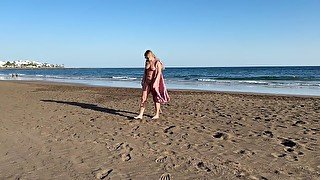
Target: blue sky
{"type": "Point", "coordinates": [113, 33]}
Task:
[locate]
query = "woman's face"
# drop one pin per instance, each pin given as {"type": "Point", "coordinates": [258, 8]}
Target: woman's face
{"type": "Point", "coordinates": [150, 57]}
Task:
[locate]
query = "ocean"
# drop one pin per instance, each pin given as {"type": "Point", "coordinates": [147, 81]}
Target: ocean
{"type": "Point", "coordinates": [295, 80]}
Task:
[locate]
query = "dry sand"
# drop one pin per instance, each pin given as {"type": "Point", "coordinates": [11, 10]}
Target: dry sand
{"type": "Point", "coordinates": [50, 131]}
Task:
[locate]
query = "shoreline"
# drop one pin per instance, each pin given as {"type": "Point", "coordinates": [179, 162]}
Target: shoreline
{"type": "Point", "coordinates": [139, 67]}
{"type": "Point", "coordinates": [178, 90]}
{"type": "Point", "coordinates": [30, 68]}
{"type": "Point", "coordinates": [302, 81]}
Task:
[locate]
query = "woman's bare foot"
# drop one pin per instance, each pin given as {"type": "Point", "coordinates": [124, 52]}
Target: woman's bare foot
{"type": "Point", "coordinates": [155, 117]}
{"type": "Point", "coordinates": [138, 117]}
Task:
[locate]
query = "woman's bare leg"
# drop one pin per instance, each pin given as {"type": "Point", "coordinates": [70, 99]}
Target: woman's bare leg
{"type": "Point", "coordinates": [142, 108]}
{"type": "Point", "coordinates": [157, 106]}
{"type": "Point", "coordinates": [142, 104]}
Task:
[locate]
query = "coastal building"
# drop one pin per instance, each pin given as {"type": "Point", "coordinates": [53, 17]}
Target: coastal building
{"type": "Point", "coordinates": [27, 64]}
{"type": "Point", "coordinates": [2, 63]}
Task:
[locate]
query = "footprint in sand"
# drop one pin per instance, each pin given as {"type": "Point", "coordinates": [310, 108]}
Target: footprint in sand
{"type": "Point", "coordinates": [184, 136]}
{"type": "Point", "coordinates": [268, 134]}
{"type": "Point", "coordinates": [125, 157]}
{"type": "Point", "coordinates": [125, 150]}
{"type": "Point", "coordinates": [298, 123]}
{"type": "Point", "coordinates": [221, 135]}
{"type": "Point", "coordinates": [104, 173]}
{"type": "Point", "coordinates": [136, 135]}
{"type": "Point", "coordinates": [165, 176]}
{"type": "Point", "coordinates": [288, 143]}
{"type": "Point", "coordinates": [276, 155]}
{"type": "Point", "coordinates": [246, 152]}
{"type": "Point", "coordinates": [118, 146]}
{"type": "Point", "coordinates": [135, 128]}
{"type": "Point", "coordinates": [166, 130]}
{"type": "Point", "coordinates": [289, 149]}
{"type": "Point", "coordinates": [203, 167]}
{"type": "Point", "coordinates": [161, 159]}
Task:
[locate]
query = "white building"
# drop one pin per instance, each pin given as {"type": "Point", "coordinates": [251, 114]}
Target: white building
{"type": "Point", "coordinates": [2, 63]}
{"type": "Point", "coordinates": [28, 64]}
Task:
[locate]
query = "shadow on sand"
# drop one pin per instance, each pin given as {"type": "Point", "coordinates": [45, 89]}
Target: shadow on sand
{"type": "Point", "coordinates": [95, 108]}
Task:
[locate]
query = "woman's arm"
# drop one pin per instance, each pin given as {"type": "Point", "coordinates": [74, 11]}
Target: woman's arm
{"type": "Point", "coordinates": [158, 74]}
{"type": "Point", "coordinates": [144, 75]}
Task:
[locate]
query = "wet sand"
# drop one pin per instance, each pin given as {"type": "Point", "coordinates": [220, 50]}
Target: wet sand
{"type": "Point", "coordinates": [59, 131]}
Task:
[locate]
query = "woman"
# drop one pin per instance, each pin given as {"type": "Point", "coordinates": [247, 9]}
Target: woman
{"type": "Point", "coordinates": [153, 82]}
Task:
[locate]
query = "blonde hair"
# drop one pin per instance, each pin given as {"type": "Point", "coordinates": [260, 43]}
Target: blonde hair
{"type": "Point", "coordinates": [148, 52]}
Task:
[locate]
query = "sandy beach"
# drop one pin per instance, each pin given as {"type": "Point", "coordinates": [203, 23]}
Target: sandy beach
{"type": "Point", "coordinates": [59, 131]}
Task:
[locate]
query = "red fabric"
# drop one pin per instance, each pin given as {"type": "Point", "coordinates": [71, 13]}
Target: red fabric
{"type": "Point", "coordinates": [158, 87]}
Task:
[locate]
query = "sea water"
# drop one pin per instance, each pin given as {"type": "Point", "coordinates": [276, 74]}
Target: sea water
{"type": "Point", "coordinates": [296, 80]}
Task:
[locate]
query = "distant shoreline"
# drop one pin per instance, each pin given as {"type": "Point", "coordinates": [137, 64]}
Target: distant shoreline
{"type": "Point", "coordinates": [172, 67]}
{"type": "Point", "coordinates": [32, 68]}
{"type": "Point", "coordinates": [278, 80]}
{"type": "Point", "coordinates": [169, 67]}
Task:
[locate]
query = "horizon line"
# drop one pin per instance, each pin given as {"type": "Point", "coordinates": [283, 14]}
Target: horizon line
{"type": "Point", "coordinates": [199, 66]}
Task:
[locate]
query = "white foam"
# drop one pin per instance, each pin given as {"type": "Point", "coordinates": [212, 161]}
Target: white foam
{"type": "Point", "coordinates": [207, 80]}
